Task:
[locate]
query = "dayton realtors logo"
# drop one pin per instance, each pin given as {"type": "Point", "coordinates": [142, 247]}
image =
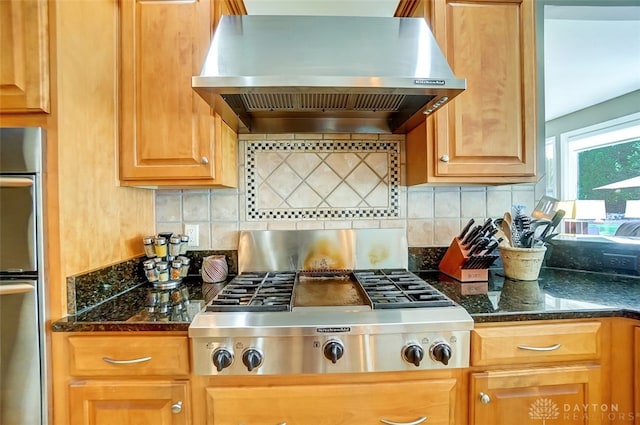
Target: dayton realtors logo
{"type": "Point", "coordinates": [544, 409]}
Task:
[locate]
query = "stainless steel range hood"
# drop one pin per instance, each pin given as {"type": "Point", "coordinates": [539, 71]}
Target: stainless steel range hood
{"type": "Point", "coordinates": [325, 74]}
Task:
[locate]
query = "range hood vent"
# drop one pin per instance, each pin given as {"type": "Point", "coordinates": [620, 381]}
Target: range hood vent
{"type": "Point", "coordinates": [325, 74]}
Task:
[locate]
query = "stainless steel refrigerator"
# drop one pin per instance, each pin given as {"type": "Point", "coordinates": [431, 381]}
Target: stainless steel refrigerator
{"type": "Point", "coordinates": [22, 337]}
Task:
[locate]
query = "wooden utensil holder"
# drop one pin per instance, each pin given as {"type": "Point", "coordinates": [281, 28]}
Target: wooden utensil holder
{"type": "Point", "coordinates": [456, 257]}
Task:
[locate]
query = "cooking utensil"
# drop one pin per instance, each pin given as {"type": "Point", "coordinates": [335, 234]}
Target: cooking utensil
{"type": "Point", "coordinates": [505, 227]}
{"type": "Point", "coordinates": [528, 239]}
{"type": "Point", "coordinates": [545, 208]}
{"type": "Point", "coordinates": [555, 220]}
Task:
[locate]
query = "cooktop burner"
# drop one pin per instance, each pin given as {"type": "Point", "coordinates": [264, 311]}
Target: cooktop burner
{"type": "Point", "coordinates": [256, 292]}
{"type": "Point", "coordinates": [286, 291]}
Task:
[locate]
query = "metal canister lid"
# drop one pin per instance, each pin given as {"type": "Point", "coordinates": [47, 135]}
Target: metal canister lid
{"type": "Point", "coordinates": [184, 238]}
{"type": "Point", "coordinates": [148, 240]}
{"type": "Point", "coordinates": [175, 239]}
{"type": "Point", "coordinates": [162, 265]}
{"type": "Point", "coordinates": [149, 264]}
{"type": "Point", "coordinates": [184, 260]}
{"type": "Point", "coordinates": [160, 241]}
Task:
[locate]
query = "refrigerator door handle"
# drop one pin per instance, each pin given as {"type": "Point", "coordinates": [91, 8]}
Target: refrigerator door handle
{"type": "Point", "coordinates": [15, 182]}
{"type": "Point", "coordinates": [16, 288]}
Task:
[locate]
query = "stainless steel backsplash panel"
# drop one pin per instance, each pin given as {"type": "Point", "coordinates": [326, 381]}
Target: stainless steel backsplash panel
{"type": "Point", "coordinates": [346, 249]}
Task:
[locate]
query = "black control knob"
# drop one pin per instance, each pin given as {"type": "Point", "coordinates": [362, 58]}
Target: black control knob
{"type": "Point", "coordinates": [252, 358]}
{"type": "Point", "coordinates": [333, 350]}
{"type": "Point", "coordinates": [441, 352]}
{"type": "Point", "coordinates": [222, 358]}
{"type": "Point", "coordinates": [413, 353]}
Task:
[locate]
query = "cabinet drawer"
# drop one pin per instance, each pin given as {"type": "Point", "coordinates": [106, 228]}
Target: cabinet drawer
{"type": "Point", "coordinates": [421, 401]}
{"type": "Point", "coordinates": [128, 356]}
{"type": "Point", "coordinates": [535, 343]}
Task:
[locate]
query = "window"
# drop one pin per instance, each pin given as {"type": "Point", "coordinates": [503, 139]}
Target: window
{"type": "Point", "coordinates": [598, 155]}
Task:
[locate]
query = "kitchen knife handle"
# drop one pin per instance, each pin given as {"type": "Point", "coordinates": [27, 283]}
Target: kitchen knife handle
{"type": "Point", "coordinates": [470, 235]}
{"type": "Point", "coordinates": [416, 422]}
{"type": "Point", "coordinates": [131, 361]}
{"type": "Point", "coordinates": [466, 229]}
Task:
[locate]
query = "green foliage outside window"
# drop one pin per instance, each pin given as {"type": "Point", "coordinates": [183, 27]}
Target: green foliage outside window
{"type": "Point", "coordinates": [605, 165]}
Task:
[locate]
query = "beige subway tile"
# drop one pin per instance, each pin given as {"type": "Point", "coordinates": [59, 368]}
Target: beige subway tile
{"type": "Point", "coordinates": [419, 233]}
{"type": "Point", "coordinates": [337, 224]}
{"type": "Point", "coordinates": [473, 204]}
{"type": "Point", "coordinates": [224, 207]}
{"type": "Point", "coordinates": [445, 229]}
{"type": "Point", "coordinates": [337, 136]}
{"type": "Point", "coordinates": [280, 136]}
{"type": "Point", "coordinates": [309, 225]}
{"type": "Point", "coordinates": [195, 206]}
{"type": "Point", "coordinates": [281, 225]}
{"type": "Point", "coordinates": [168, 207]}
{"type": "Point", "coordinates": [252, 137]}
{"type": "Point", "coordinates": [366, 224]}
{"type": "Point", "coordinates": [419, 203]}
{"type": "Point", "coordinates": [224, 236]}
{"type": "Point", "coordinates": [498, 202]}
{"type": "Point", "coordinates": [446, 204]}
{"type": "Point", "coordinates": [308, 136]}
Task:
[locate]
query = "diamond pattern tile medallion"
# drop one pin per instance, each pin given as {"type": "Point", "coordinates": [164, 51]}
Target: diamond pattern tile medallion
{"type": "Point", "coordinates": [322, 179]}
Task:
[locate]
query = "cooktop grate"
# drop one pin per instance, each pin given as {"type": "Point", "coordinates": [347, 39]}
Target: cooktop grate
{"type": "Point", "coordinates": [255, 292]}
{"type": "Point", "coordinates": [273, 291]}
{"type": "Point", "coordinates": [400, 289]}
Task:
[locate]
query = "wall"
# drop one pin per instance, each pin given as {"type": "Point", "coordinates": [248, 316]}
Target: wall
{"type": "Point", "coordinates": [92, 222]}
{"type": "Point", "coordinates": [431, 215]}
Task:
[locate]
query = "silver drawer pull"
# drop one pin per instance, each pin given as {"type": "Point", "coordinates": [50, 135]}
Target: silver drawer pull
{"type": "Point", "coordinates": [550, 348]}
{"type": "Point", "coordinates": [132, 361]}
{"type": "Point", "coordinates": [416, 422]}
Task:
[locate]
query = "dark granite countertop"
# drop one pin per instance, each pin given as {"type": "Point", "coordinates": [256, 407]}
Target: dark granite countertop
{"type": "Point", "coordinates": [557, 294]}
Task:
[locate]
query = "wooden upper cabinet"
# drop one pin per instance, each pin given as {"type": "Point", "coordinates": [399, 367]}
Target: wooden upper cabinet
{"type": "Point", "coordinates": [169, 135]}
{"type": "Point", "coordinates": [488, 133]}
{"type": "Point", "coordinates": [24, 65]}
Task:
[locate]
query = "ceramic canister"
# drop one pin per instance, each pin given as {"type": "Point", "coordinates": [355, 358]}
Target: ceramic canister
{"type": "Point", "coordinates": [214, 269]}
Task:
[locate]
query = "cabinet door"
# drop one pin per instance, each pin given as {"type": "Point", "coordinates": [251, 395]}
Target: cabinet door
{"type": "Point", "coordinates": [487, 133]}
{"type": "Point", "coordinates": [129, 402]}
{"type": "Point", "coordinates": [430, 402]}
{"type": "Point", "coordinates": [24, 67]}
{"type": "Point", "coordinates": [569, 395]}
{"type": "Point", "coordinates": [636, 391]}
{"type": "Point", "coordinates": [169, 134]}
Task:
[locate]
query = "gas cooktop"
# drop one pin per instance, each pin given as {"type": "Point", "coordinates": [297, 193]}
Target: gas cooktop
{"type": "Point", "coordinates": [327, 310]}
{"type": "Point", "coordinates": [365, 289]}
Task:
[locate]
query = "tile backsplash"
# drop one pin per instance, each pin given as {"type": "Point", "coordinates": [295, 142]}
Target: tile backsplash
{"type": "Point", "coordinates": [329, 181]}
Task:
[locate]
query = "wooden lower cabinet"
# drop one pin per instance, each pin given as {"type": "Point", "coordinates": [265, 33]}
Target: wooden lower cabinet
{"type": "Point", "coordinates": [574, 366]}
{"type": "Point", "coordinates": [129, 402]}
{"type": "Point", "coordinates": [636, 372]}
{"type": "Point", "coordinates": [537, 395]}
{"type": "Point", "coordinates": [121, 378]}
{"type": "Point", "coordinates": [430, 402]}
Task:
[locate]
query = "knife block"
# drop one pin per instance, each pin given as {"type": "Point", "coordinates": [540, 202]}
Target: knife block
{"type": "Point", "coordinates": [453, 260]}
